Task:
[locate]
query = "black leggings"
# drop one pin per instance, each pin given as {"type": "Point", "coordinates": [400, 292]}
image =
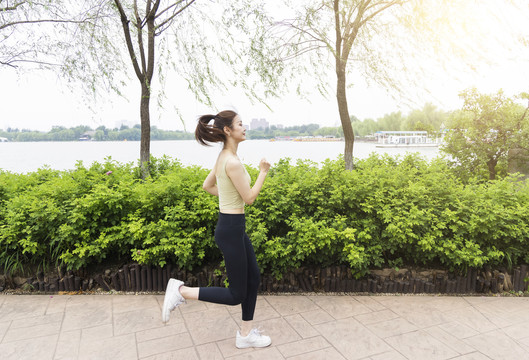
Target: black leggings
{"type": "Point", "coordinates": [239, 257]}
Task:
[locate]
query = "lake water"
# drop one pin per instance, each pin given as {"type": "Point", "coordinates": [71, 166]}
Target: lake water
{"type": "Point", "coordinates": [23, 157]}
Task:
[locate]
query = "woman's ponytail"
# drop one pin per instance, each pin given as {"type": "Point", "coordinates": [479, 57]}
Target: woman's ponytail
{"type": "Point", "coordinates": [205, 133]}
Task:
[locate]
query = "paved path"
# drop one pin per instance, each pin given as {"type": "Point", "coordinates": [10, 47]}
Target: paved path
{"type": "Point", "coordinates": [301, 326]}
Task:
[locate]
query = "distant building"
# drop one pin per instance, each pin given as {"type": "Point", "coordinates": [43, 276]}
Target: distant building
{"type": "Point", "coordinates": [3, 139]}
{"type": "Point", "coordinates": [279, 126]}
{"type": "Point", "coordinates": [259, 124]}
{"type": "Point", "coordinates": [127, 123]}
{"type": "Point", "coordinates": [87, 136]}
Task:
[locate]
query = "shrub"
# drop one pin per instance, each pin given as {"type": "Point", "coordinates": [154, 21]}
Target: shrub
{"type": "Point", "coordinates": [389, 211]}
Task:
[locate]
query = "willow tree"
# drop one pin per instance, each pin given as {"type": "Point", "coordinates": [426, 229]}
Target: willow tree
{"type": "Point", "coordinates": [387, 42]}
{"type": "Point", "coordinates": [31, 32]}
{"type": "Point", "coordinates": [197, 40]}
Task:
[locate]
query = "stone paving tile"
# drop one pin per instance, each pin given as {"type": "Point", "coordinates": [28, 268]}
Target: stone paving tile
{"type": "Point", "coordinates": [376, 316]}
{"type": "Point", "coordinates": [301, 326]}
{"type": "Point", "coordinates": [473, 318]}
{"type": "Point", "coordinates": [269, 353]}
{"type": "Point", "coordinates": [518, 331]}
{"type": "Point", "coordinates": [227, 348]}
{"type": "Point", "coordinates": [3, 328]}
{"type": "Point", "coordinates": [88, 301]}
{"type": "Point", "coordinates": [509, 311]}
{"type": "Point", "coordinates": [190, 306]}
{"type": "Point", "coordinates": [36, 321]}
{"type": "Point", "coordinates": [458, 329]}
{"type": "Point", "coordinates": [446, 303]}
{"type": "Point", "coordinates": [340, 307]}
{"type": "Point", "coordinates": [209, 352]}
{"type": "Point", "coordinates": [420, 345]}
{"type": "Point", "coordinates": [279, 331]}
{"type": "Point", "coordinates": [129, 327]}
{"type": "Point", "coordinates": [323, 354]}
{"type": "Point", "coordinates": [127, 303]}
{"type": "Point", "coordinates": [388, 328]}
{"type": "Point", "coordinates": [79, 320]}
{"type": "Point", "coordinates": [315, 317]}
{"type": "Point", "coordinates": [288, 305]}
{"type": "Point", "coordinates": [449, 340]}
{"type": "Point", "coordinates": [26, 333]}
{"type": "Point", "coordinates": [86, 315]}
{"type": "Point", "coordinates": [497, 345]}
{"type": "Point", "coordinates": [97, 332]}
{"type": "Point", "coordinates": [41, 348]}
{"type": "Point", "coordinates": [182, 354]}
{"type": "Point", "coordinates": [472, 356]}
{"type": "Point", "coordinates": [68, 345]}
{"type": "Point", "coordinates": [136, 320]}
{"type": "Point", "coordinates": [303, 346]}
{"type": "Point", "coordinates": [524, 341]}
{"type": "Point", "coordinates": [352, 339]}
{"type": "Point", "coordinates": [210, 325]}
{"type": "Point", "coordinates": [524, 344]}
{"type": "Point", "coordinates": [424, 318]}
{"type": "Point", "coordinates": [162, 331]}
{"type": "Point", "coordinates": [164, 345]}
{"type": "Point", "coordinates": [371, 302]}
{"type": "Point", "coordinates": [20, 307]}
{"type": "Point", "coordinates": [114, 348]}
{"type": "Point", "coordinates": [391, 355]}
{"type": "Point", "coordinates": [422, 311]}
{"type": "Point", "coordinates": [57, 304]}
{"type": "Point", "coordinates": [477, 300]}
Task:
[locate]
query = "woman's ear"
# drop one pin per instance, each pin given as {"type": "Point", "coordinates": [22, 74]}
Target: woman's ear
{"type": "Point", "coordinates": [227, 130]}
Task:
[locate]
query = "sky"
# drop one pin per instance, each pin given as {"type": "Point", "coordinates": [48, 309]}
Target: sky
{"type": "Point", "coordinates": [38, 100]}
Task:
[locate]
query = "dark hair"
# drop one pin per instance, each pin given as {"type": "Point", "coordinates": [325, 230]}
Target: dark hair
{"type": "Point", "coordinates": [206, 133]}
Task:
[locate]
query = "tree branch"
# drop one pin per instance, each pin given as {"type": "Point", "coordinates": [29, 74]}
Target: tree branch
{"type": "Point", "coordinates": [12, 7]}
{"type": "Point", "coordinates": [300, 52]}
{"type": "Point", "coordinates": [169, 19]}
{"type": "Point", "coordinates": [41, 21]}
{"type": "Point", "coordinates": [128, 40]}
{"type": "Point", "coordinates": [372, 15]}
{"type": "Point", "coordinates": [140, 37]}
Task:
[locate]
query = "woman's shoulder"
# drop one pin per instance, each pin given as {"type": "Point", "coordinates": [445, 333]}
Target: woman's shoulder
{"type": "Point", "coordinates": [233, 163]}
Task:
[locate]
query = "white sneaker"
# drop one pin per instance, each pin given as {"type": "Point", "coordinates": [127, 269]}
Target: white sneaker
{"type": "Point", "coordinates": [254, 339]}
{"type": "Point", "coordinates": [172, 299]}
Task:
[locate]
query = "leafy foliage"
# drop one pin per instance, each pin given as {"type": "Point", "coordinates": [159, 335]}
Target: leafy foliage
{"type": "Point", "coordinates": [387, 211]}
{"type": "Point", "coordinates": [484, 131]}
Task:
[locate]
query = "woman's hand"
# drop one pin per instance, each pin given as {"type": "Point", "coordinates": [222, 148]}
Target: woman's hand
{"type": "Point", "coordinates": [264, 165]}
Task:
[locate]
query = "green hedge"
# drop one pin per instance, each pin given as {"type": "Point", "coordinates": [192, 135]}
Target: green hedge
{"type": "Point", "coordinates": [387, 212]}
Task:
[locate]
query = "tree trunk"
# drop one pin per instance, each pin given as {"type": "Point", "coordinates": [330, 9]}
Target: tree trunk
{"type": "Point", "coordinates": [348, 133]}
{"type": "Point", "coordinates": [492, 168]}
{"type": "Point", "coordinates": [145, 143]}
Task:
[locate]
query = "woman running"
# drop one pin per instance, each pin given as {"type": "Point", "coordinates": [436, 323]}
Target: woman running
{"type": "Point", "coordinates": [230, 181]}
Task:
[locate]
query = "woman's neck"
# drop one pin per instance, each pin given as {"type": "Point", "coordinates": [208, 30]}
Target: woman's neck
{"type": "Point", "coordinates": [231, 146]}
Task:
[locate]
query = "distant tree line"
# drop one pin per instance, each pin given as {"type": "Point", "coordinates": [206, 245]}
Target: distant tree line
{"type": "Point", "coordinates": [102, 133]}
{"type": "Point", "coordinates": [429, 118]}
{"type": "Point", "coordinates": [294, 131]}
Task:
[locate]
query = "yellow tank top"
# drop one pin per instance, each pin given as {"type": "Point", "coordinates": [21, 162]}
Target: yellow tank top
{"type": "Point", "coordinates": [229, 197]}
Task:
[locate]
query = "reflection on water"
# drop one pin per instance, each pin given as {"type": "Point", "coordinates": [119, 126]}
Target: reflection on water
{"type": "Point", "coordinates": [29, 156]}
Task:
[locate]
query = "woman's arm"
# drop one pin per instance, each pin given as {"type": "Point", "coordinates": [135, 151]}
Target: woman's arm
{"type": "Point", "coordinates": [235, 171]}
{"type": "Point", "coordinates": [210, 184]}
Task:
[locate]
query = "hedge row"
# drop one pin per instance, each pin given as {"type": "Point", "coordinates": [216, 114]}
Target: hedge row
{"type": "Point", "coordinates": [389, 211]}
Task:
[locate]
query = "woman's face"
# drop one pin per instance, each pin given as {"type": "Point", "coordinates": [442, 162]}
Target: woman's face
{"type": "Point", "coordinates": [237, 130]}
